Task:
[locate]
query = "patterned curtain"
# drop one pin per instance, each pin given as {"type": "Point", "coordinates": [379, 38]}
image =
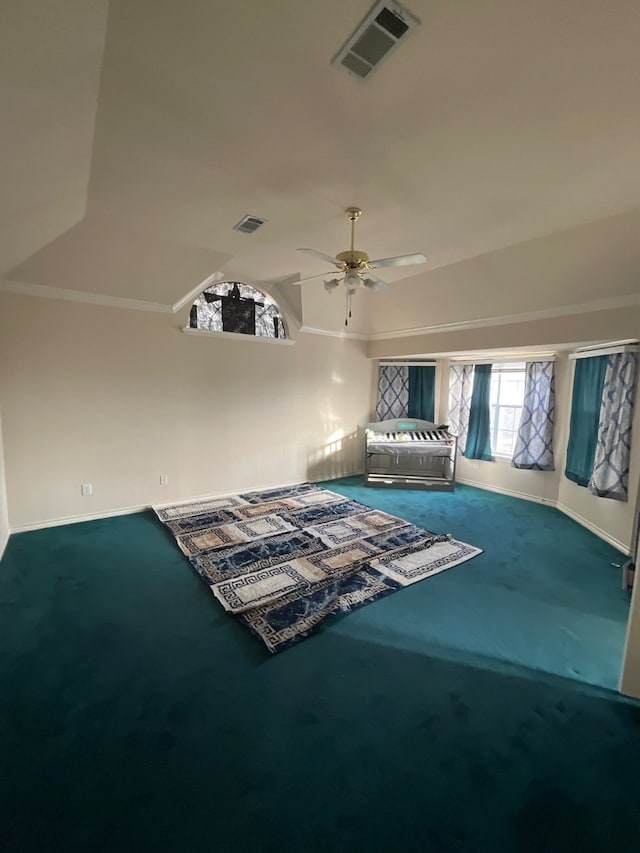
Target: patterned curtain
{"type": "Point", "coordinates": [393, 392]}
{"type": "Point", "coordinates": [460, 390]}
{"type": "Point", "coordinates": [534, 445]}
{"type": "Point", "coordinates": [610, 476]}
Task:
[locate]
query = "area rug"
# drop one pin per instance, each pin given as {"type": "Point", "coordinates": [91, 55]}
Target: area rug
{"type": "Point", "coordinates": [283, 560]}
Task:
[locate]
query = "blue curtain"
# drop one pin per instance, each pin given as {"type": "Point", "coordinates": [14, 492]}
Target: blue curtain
{"type": "Point", "coordinates": [588, 384]}
{"type": "Point", "coordinates": [422, 384]}
{"type": "Point", "coordinates": [479, 436]}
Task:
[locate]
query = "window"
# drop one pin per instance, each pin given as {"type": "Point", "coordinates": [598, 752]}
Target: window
{"type": "Point", "coordinates": [507, 396]}
{"type": "Point", "coordinates": [230, 306]}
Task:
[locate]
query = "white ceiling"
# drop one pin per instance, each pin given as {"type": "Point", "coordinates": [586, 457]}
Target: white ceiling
{"type": "Point", "coordinates": [495, 123]}
{"type": "Point", "coordinates": [50, 60]}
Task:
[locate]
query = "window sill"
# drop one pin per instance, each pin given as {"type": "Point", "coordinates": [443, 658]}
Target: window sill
{"type": "Point", "coordinates": [506, 460]}
{"type": "Point", "coordinates": [500, 457]}
{"type": "Point", "coordinates": [238, 336]}
{"type": "Point", "coordinates": [496, 457]}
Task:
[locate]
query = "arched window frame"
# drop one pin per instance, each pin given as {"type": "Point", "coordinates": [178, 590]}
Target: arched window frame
{"type": "Point", "coordinates": [218, 289]}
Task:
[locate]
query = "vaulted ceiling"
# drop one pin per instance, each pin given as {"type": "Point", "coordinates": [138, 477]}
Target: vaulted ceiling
{"type": "Point", "coordinates": [138, 132]}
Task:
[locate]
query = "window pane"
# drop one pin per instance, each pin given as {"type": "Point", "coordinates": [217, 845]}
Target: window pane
{"type": "Point", "coordinates": [265, 319]}
{"type": "Point", "coordinates": [507, 395]}
{"type": "Point", "coordinates": [505, 442]}
{"type": "Point", "coordinates": [512, 390]}
{"type": "Point", "coordinates": [507, 418]}
{"type": "Point", "coordinates": [495, 385]}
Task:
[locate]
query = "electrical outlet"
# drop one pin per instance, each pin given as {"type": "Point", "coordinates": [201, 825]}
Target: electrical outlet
{"type": "Point", "coordinates": [86, 489]}
{"type": "Point", "coordinates": [164, 479]}
{"type": "Point", "coordinates": [475, 465]}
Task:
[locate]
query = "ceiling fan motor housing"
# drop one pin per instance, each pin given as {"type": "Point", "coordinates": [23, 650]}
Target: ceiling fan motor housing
{"type": "Point", "coordinates": [354, 260]}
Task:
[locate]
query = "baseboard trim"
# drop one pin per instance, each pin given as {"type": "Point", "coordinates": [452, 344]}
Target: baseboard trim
{"type": "Point", "coordinates": [216, 495]}
{"type": "Point", "coordinates": [599, 532]}
{"type": "Point", "coordinates": [3, 542]}
{"type": "Point", "coordinates": [358, 473]}
{"type": "Point", "coordinates": [620, 546]}
{"type": "Point", "coordinates": [76, 519]}
{"type": "Point", "coordinates": [509, 492]}
{"type": "Point", "coordinates": [129, 510]}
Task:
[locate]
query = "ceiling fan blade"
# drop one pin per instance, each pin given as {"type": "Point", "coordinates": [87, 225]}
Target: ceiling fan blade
{"type": "Point", "coordinates": [321, 256]}
{"type": "Point", "coordinates": [399, 261]}
{"type": "Point", "coordinates": [328, 274]}
{"type": "Point", "coordinates": [372, 282]}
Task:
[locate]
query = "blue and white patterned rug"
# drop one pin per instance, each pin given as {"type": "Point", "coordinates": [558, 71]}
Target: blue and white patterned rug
{"type": "Point", "coordinates": [283, 560]}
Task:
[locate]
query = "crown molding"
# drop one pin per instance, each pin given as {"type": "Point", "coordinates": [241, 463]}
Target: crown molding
{"type": "Point", "coordinates": [47, 292]}
{"type": "Point", "coordinates": [510, 319]}
{"type": "Point", "coordinates": [67, 295]}
{"type": "Point", "coordinates": [311, 330]}
{"type": "Point", "coordinates": [42, 290]}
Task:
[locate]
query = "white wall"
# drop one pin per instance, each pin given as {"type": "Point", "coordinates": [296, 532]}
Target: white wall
{"type": "Point", "coordinates": [116, 398]}
{"type": "Point", "coordinates": [4, 516]}
{"type": "Point", "coordinates": [630, 679]}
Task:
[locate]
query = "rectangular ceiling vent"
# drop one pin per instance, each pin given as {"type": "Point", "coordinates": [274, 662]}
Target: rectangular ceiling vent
{"type": "Point", "coordinates": [249, 224]}
{"type": "Point", "coordinates": [376, 37]}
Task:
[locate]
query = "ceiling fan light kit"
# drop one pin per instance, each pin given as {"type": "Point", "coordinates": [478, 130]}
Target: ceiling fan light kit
{"type": "Point", "coordinates": [354, 266]}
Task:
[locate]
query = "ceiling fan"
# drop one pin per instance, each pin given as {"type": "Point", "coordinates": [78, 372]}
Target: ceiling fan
{"type": "Point", "coordinates": [355, 268]}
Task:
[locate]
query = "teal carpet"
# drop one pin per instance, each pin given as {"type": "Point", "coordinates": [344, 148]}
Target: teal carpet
{"type": "Point", "coordinates": [545, 595]}
{"type": "Point", "coordinates": [135, 715]}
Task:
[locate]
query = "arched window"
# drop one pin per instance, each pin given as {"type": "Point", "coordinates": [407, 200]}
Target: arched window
{"type": "Point", "coordinates": [231, 306]}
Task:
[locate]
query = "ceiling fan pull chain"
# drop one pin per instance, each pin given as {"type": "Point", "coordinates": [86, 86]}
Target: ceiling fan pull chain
{"type": "Point", "coordinates": [347, 310]}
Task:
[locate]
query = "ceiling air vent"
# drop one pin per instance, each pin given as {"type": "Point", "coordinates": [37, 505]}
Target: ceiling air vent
{"type": "Point", "coordinates": [378, 34]}
{"type": "Point", "coordinates": [249, 224]}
